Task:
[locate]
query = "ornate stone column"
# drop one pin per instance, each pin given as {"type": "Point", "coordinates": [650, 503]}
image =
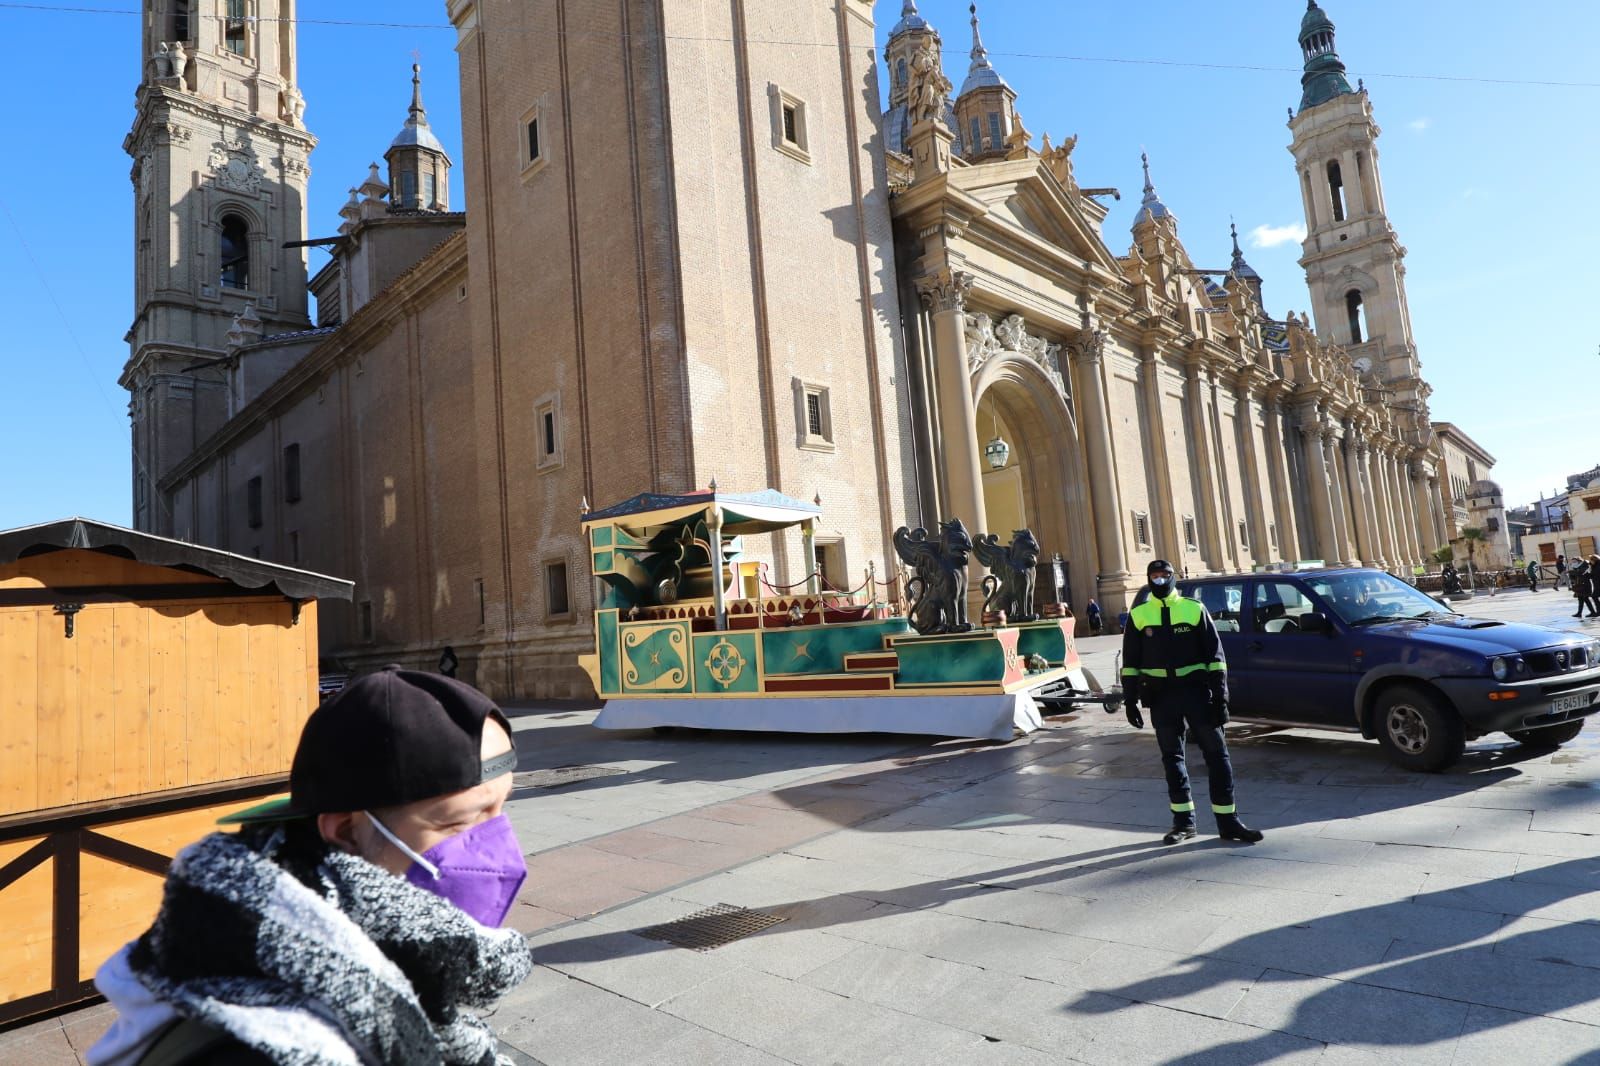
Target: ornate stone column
{"type": "Point", "coordinates": [1343, 529]}
{"type": "Point", "coordinates": [1419, 490]}
{"type": "Point", "coordinates": [1255, 494]}
{"type": "Point", "coordinates": [1436, 508]}
{"type": "Point", "coordinates": [1405, 507]}
{"type": "Point", "coordinates": [1108, 524]}
{"type": "Point", "coordinates": [1360, 496]}
{"type": "Point", "coordinates": [944, 294]}
{"type": "Point", "coordinates": [1380, 505]}
{"type": "Point", "coordinates": [1169, 543]}
{"type": "Point", "coordinates": [1205, 466]}
{"type": "Point", "coordinates": [1320, 490]}
{"type": "Point", "coordinates": [1278, 471]}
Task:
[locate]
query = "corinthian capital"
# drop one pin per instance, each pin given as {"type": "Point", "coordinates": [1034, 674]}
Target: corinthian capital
{"type": "Point", "coordinates": [944, 290]}
{"type": "Point", "coordinates": [1091, 343]}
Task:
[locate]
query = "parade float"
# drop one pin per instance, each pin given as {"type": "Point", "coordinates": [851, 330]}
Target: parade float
{"type": "Point", "coordinates": [688, 631]}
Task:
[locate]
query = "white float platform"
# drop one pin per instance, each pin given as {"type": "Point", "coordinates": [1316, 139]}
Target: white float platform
{"type": "Point", "coordinates": [986, 717]}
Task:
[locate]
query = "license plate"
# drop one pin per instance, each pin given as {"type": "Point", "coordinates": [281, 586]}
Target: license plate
{"type": "Point", "coordinates": [1575, 702]}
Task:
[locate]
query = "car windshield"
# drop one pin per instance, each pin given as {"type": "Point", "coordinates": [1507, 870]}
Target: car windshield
{"type": "Point", "coordinates": [1370, 597]}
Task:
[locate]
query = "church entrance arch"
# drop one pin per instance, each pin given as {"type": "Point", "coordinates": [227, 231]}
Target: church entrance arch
{"type": "Point", "coordinates": [1043, 485]}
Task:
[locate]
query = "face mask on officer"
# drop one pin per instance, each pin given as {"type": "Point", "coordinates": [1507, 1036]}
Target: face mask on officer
{"type": "Point", "coordinates": [1161, 584]}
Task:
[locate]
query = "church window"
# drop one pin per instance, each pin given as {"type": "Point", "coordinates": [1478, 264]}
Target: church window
{"type": "Point", "coordinates": [483, 604]}
{"type": "Point", "coordinates": [1272, 534]}
{"type": "Point", "coordinates": [1336, 191]}
{"type": "Point", "coordinates": [814, 417]}
{"type": "Point", "coordinates": [1141, 529]}
{"type": "Point", "coordinates": [557, 602]}
{"type": "Point", "coordinates": [996, 138]}
{"type": "Point", "coordinates": [235, 253]}
{"type": "Point", "coordinates": [1191, 533]}
{"type": "Point", "coordinates": [408, 188]}
{"type": "Point", "coordinates": [180, 20]}
{"type": "Point", "coordinates": [1244, 535]}
{"type": "Point", "coordinates": [294, 546]}
{"type": "Point", "coordinates": [900, 73]}
{"type": "Point", "coordinates": [534, 133]}
{"type": "Point", "coordinates": [1356, 310]}
{"type": "Point", "coordinates": [547, 427]}
{"type": "Point", "coordinates": [364, 621]}
{"type": "Point", "coordinates": [233, 33]}
{"type": "Point", "coordinates": [252, 502]}
{"type": "Point", "coordinates": [291, 474]}
{"type": "Point", "coordinates": [789, 124]}
{"type": "Point", "coordinates": [429, 189]}
{"type": "Point", "coordinates": [976, 144]}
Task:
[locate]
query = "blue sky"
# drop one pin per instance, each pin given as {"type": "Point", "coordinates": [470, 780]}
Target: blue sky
{"type": "Point", "coordinates": [1489, 184]}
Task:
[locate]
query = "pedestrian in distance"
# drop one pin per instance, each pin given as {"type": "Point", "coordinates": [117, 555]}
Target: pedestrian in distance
{"type": "Point", "coordinates": [356, 921]}
{"type": "Point", "coordinates": [1561, 573]}
{"type": "Point", "coordinates": [1582, 575]}
{"type": "Point", "coordinates": [1096, 619]}
{"type": "Point", "coordinates": [1593, 598]}
{"type": "Point", "coordinates": [1172, 663]}
{"type": "Point", "coordinates": [1533, 575]}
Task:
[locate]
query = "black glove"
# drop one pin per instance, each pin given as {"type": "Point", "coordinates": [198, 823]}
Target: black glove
{"type": "Point", "coordinates": [1131, 711]}
{"type": "Point", "coordinates": [1217, 700]}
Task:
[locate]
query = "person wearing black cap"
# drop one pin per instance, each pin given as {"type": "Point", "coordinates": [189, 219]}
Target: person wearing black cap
{"type": "Point", "coordinates": [1172, 663]}
{"type": "Point", "coordinates": [356, 921]}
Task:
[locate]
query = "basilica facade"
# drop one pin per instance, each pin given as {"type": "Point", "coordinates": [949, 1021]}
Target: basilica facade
{"type": "Point", "coordinates": [905, 315]}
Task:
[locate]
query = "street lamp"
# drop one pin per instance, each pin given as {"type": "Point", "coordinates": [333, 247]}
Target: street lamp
{"type": "Point", "coordinates": [997, 451]}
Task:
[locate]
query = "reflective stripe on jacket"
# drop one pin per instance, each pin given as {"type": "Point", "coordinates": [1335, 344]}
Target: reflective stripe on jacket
{"type": "Point", "coordinates": [1168, 640]}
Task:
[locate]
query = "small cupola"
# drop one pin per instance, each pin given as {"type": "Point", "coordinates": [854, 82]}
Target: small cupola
{"type": "Point", "coordinates": [1324, 76]}
{"type": "Point", "coordinates": [419, 168]}
{"type": "Point", "coordinates": [1151, 209]}
{"type": "Point", "coordinates": [1242, 270]}
{"type": "Point", "coordinates": [984, 106]}
{"type": "Point", "coordinates": [911, 35]}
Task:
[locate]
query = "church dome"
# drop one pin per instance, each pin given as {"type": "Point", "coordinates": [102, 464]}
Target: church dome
{"type": "Point", "coordinates": [981, 74]}
{"type": "Point", "coordinates": [416, 133]}
{"type": "Point", "coordinates": [909, 20]}
{"type": "Point", "coordinates": [1316, 20]}
{"type": "Point", "coordinates": [1151, 208]}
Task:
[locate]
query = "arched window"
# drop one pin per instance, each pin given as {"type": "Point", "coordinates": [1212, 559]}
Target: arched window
{"type": "Point", "coordinates": [1336, 191]}
{"type": "Point", "coordinates": [235, 253]}
{"type": "Point", "coordinates": [900, 73]}
{"type": "Point", "coordinates": [1357, 313]}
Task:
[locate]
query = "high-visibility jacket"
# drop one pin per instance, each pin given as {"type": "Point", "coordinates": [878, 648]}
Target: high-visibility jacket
{"type": "Point", "coordinates": [1171, 641]}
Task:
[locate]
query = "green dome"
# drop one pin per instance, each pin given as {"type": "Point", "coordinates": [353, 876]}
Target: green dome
{"type": "Point", "coordinates": [1316, 19]}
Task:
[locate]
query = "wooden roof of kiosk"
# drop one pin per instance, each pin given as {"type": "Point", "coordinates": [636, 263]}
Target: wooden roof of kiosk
{"type": "Point", "coordinates": [146, 687]}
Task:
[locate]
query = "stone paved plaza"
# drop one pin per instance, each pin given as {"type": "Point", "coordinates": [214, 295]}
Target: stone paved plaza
{"type": "Point", "coordinates": [959, 902]}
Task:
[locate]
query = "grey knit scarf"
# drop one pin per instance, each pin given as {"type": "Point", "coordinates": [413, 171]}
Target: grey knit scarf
{"type": "Point", "coordinates": [315, 957]}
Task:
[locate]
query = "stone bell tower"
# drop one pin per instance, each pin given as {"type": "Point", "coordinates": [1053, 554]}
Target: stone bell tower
{"type": "Point", "coordinates": [219, 184]}
{"type": "Point", "coordinates": [1353, 259]}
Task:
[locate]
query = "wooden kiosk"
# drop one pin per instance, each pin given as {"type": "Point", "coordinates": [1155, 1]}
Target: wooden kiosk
{"type": "Point", "coordinates": [147, 686]}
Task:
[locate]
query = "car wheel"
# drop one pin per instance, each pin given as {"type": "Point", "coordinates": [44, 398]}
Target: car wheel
{"type": "Point", "coordinates": [1417, 729]}
{"type": "Point", "coordinates": [1550, 737]}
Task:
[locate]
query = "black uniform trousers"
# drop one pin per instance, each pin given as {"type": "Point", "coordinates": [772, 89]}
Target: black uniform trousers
{"type": "Point", "coordinates": [1176, 711]}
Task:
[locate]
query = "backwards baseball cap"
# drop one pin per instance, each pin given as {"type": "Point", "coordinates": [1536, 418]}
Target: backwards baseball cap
{"type": "Point", "coordinates": [386, 739]}
{"type": "Point", "coordinates": [1157, 565]}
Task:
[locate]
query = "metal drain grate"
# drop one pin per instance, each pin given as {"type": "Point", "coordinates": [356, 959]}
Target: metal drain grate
{"type": "Point", "coordinates": [713, 927]}
{"type": "Point", "coordinates": [562, 775]}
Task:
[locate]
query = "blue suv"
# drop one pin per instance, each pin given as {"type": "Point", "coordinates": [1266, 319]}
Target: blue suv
{"type": "Point", "coordinates": [1361, 650]}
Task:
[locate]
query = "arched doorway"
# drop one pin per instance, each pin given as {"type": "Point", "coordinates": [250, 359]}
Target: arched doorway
{"type": "Point", "coordinates": [1043, 484]}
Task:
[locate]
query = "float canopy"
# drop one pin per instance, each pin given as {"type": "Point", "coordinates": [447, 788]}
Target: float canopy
{"type": "Point", "coordinates": [742, 512]}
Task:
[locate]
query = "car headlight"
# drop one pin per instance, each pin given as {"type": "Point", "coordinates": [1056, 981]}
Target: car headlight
{"type": "Point", "coordinates": [1500, 667]}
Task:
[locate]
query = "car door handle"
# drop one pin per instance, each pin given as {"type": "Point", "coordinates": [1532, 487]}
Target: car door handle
{"type": "Point", "coordinates": [1256, 645]}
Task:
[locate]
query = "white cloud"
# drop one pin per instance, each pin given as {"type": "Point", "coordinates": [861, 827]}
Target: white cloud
{"type": "Point", "coordinates": [1419, 124]}
{"type": "Point", "coordinates": [1272, 236]}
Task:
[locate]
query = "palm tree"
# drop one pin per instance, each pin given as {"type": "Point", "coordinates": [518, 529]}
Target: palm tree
{"type": "Point", "coordinates": [1473, 535]}
{"type": "Point", "coordinates": [1443, 555]}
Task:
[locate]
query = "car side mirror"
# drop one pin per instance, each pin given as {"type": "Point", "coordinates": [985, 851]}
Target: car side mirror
{"type": "Point", "coordinates": [1315, 622]}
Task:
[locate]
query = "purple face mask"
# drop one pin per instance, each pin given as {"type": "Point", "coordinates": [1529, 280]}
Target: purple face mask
{"type": "Point", "coordinates": [479, 870]}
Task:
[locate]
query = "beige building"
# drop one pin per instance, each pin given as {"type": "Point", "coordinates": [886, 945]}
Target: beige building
{"type": "Point", "coordinates": [691, 256]}
{"type": "Point", "coordinates": [1472, 498]}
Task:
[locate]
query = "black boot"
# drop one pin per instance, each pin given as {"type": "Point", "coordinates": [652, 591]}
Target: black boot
{"type": "Point", "coordinates": [1182, 829]}
{"type": "Point", "coordinates": [1230, 828]}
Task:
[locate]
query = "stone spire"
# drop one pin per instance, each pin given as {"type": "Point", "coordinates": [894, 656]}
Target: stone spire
{"type": "Point", "coordinates": [981, 74]}
{"type": "Point", "coordinates": [1240, 269]}
{"type": "Point", "coordinates": [418, 165]}
{"type": "Point", "coordinates": [1152, 208]}
{"type": "Point", "coordinates": [909, 19]}
{"type": "Point", "coordinates": [1324, 76]}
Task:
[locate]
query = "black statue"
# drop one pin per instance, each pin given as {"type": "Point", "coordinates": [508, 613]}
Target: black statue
{"type": "Point", "coordinates": [938, 587]}
{"type": "Point", "coordinates": [1452, 580]}
{"type": "Point", "coordinates": [1009, 586]}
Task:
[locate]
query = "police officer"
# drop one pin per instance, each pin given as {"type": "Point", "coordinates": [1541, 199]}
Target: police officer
{"type": "Point", "coordinates": [1172, 663]}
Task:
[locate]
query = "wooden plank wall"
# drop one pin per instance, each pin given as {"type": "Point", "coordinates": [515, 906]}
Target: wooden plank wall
{"type": "Point", "coordinates": [116, 903]}
{"type": "Point", "coordinates": [149, 697]}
